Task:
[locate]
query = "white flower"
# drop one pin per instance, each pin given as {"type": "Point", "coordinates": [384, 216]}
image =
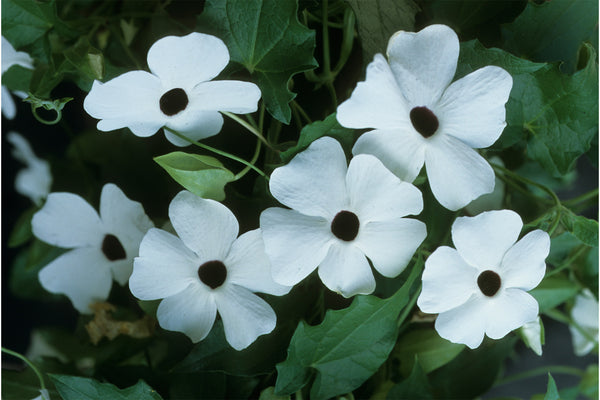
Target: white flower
{"type": "Point", "coordinates": [489, 201]}
{"type": "Point", "coordinates": [44, 395]}
{"type": "Point", "coordinates": [178, 94]}
{"type": "Point", "coordinates": [420, 118]}
{"type": "Point", "coordinates": [533, 334]}
{"type": "Point", "coordinates": [340, 216]}
{"type": "Point", "coordinates": [204, 270]}
{"type": "Point", "coordinates": [12, 57]}
{"type": "Point", "coordinates": [103, 246]}
{"type": "Point", "coordinates": [481, 287]}
{"type": "Point", "coordinates": [35, 180]}
{"type": "Point", "coordinates": [585, 314]}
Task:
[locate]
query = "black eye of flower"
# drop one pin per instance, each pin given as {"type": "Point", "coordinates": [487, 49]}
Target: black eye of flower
{"type": "Point", "coordinates": [112, 248]}
{"type": "Point", "coordinates": [345, 225]}
{"type": "Point", "coordinates": [424, 121]}
{"type": "Point", "coordinates": [174, 101]}
{"type": "Point", "coordinates": [489, 283]}
{"type": "Point", "coordinates": [212, 273]}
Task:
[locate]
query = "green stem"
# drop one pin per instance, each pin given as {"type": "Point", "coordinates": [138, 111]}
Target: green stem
{"type": "Point", "coordinates": [45, 121]}
{"type": "Point", "coordinates": [567, 263]}
{"type": "Point", "coordinates": [29, 363]}
{"type": "Point", "coordinates": [126, 48]}
{"type": "Point", "coordinates": [248, 126]}
{"type": "Point", "coordinates": [243, 172]}
{"type": "Point", "coordinates": [553, 369]}
{"type": "Point", "coordinates": [410, 305]}
{"type": "Point", "coordinates": [327, 76]}
{"type": "Point", "coordinates": [560, 317]}
{"type": "Point", "coordinates": [217, 151]}
{"type": "Point", "coordinates": [581, 199]}
{"type": "Point", "coordinates": [347, 41]}
{"type": "Point", "coordinates": [301, 111]}
{"type": "Point", "coordinates": [526, 181]}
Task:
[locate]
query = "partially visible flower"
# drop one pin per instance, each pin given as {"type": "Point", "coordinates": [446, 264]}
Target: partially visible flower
{"type": "Point", "coordinates": [585, 314]}
{"type": "Point", "coordinates": [481, 287]}
{"type": "Point", "coordinates": [421, 118]}
{"type": "Point", "coordinates": [340, 216]}
{"type": "Point", "coordinates": [208, 268]}
{"type": "Point", "coordinates": [44, 395]}
{"type": "Point", "coordinates": [9, 58]}
{"type": "Point", "coordinates": [178, 94]}
{"type": "Point", "coordinates": [103, 246]}
{"type": "Point", "coordinates": [35, 180]}
{"type": "Point", "coordinates": [489, 201]}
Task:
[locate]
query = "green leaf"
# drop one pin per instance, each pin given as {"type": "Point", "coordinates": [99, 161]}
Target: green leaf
{"type": "Point", "coordinates": [586, 230]}
{"type": "Point", "coordinates": [589, 383]}
{"type": "Point", "coordinates": [555, 114]}
{"type": "Point", "coordinates": [552, 30]}
{"type": "Point", "coordinates": [416, 386]}
{"type": "Point", "coordinates": [22, 385]}
{"type": "Point", "coordinates": [378, 20]}
{"type": "Point", "coordinates": [432, 350]}
{"type": "Point", "coordinates": [25, 21]}
{"type": "Point", "coordinates": [269, 394]}
{"type": "Point", "coordinates": [346, 348]}
{"type": "Point", "coordinates": [86, 59]}
{"type": "Point", "coordinates": [552, 390]}
{"type": "Point", "coordinates": [78, 388]}
{"type": "Point", "coordinates": [204, 176]}
{"type": "Point", "coordinates": [554, 291]}
{"type": "Point", "coordinates": [267, 39]}
{"type": "Point", "coordinates": [21, 232]}
{"type": "Point", "coordinates": [328, 127]}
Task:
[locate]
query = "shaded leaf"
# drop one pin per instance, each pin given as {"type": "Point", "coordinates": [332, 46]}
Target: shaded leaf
{"type": "Point", "coordinates": [378, 20]}
{"type": "Point", "coordinates": [204, 176]}
{"type": "Point", "coordinates": [260, 35]}
{"type": "Point", "coordinates": [552, 30]}
{"type": "Point", "coordinates": [346, 348]}
{"type": "Point", "coordinates": [21, 232]}
{"type": "Point", "coordinates": [78, 388]}
{"type": "Point", "coordinates": [554, 291]}
{"type": "Point", "coordinates": [416, 386]}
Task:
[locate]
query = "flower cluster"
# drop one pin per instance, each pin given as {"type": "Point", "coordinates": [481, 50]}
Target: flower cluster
{"type": "Point", "coordinates": [342, 218]}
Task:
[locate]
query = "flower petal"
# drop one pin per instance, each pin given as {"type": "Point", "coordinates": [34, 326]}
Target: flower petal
{"type": "Point", "coordinates": [400, 150]}
{"type": "Point", "coordinates": [245, 315]}
{"type": "Point", "coordinates": [129, 101]}
{"type": "Point", "coordinates": [509, 310]}
{"type": "Point", "coordinates": [472, 108]}
{"type": "Point", "coordinates": [234, 96]}
{"type": "Point", "coordinates": [248, 265]}
{"type": "Point", "coordinates": [345, 270]}
{"type": "Point", "coordinates": [11, 57]}
{"type": "Point", "coordinates": [391, 244]}
{"type": "Point", "coordinates": [9, 108]}
{"type": "Point", "coordinates": [376, 194]}
{"type": "Point", "coordinates": [67, 220]}
{"type": "Point", "coordinates": [295, 243]}
{"type": "Point", "coordinates": [313, 183]}
{"type": "Point", "coordinates": [377, 102]}
{"type": "Point", "coordinates": [193, 312]}
{"type": "Point", "coordinates": [206, 226]}
{"type": "Point", "coordinates": [523, 264]}
{"type": "Point", "coordinates": [465, 323]}
{"type": "Point", "coordinates": [185, 61]}
{"type": "Point", "coordinates": [424, 63]}
{"type": "Point", "coordinates": [164, 268]}
{"type": "Point", "coordinates": [483, 240]}
{"type": "Point", "coordinates": [193, 123]}
{"type": "Point", "coordinates": [448, 281]}
{"type": "Point", "coordinates": [123, 218]}
{"type": "Point", "coordinates": [457, 173]}
{"type": "Point", "coordinates": [82, 274]}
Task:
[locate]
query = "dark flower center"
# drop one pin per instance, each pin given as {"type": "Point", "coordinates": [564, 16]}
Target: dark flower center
{"type": "Point", "coordinates": [489, 283]}
{"type": "Point", "coordinates": [424, 121]}
{"type": "Point", "coordinates": [112, 248]}
{"type": "Point", "coordinates": [212, 273]}
{"type": "Point", "coordinates": [174, 101]}
{"type": "Point", "coordinates": [345, 225]}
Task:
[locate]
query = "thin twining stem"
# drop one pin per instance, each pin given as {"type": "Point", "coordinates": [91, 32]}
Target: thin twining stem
{"type": "Point", "coordinates": [243, 172]}
{"type": "Point", "coordinates": [249, 127]}
{"type": "Point", "coordinates": [29, 363]}
{"type": "Point", "coordinates": [219, 152]}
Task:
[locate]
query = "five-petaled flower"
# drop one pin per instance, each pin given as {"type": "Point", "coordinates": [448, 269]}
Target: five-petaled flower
{"type": "Point", "coordinates": [178, 95]}
{"type": "Point", "coordinates": [12, 57]}
{"type": "Point", "coordinates": [103, 246]}
{"type": "Point", "coordinates": [35, 180]}
{"type": "Point", "coordinates": [585, 315]}
{"type": "Point", "coordinates": [208, 268]}
{"type": "Point", "coordinates": [340, 216]}
{"type": "Point", "coordinates": [481, 286]}
{"type": "Point", "coordinates": [420, 118]}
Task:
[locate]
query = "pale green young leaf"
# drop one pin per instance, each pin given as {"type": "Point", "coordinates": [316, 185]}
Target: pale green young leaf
{"type": "Point", "coordinates": [78, 388]}
{"type": "Point", "coordinates": [267, 39]}
{"type": "Point", "coordinates": [552, 390]}
{"type": "Point", "coordinates": [346, 348]}
{"type": "Point", "coordinates": [204, 176]}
